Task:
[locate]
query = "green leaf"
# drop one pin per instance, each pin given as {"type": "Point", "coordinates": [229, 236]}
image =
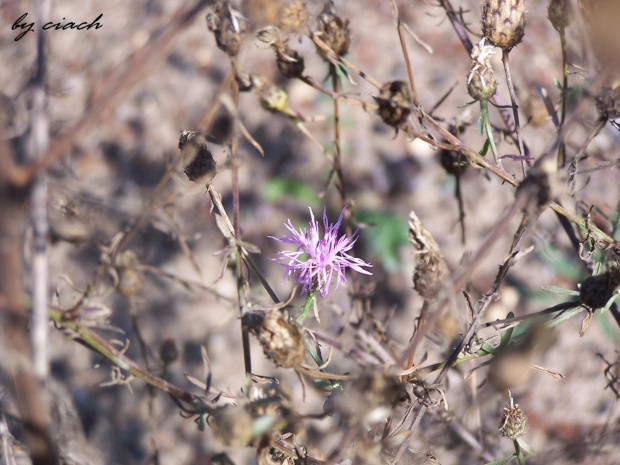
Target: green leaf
{"type": "Point", "coordinates": [557, 83]}
{"type": "Point", "coordinates": [611, 301]}
{"type": "Point", "coordinates": [485, 148]}
{"type": "Point", "coordinates": [559, 290]}
{"type": "Point", "coordinates": [281, 188]}
{"type": "Point", "coordinates": [529, 451]}
{"type": "Point", "coordinates": [506, 335]}
{"type": "Point", "coordinates": [481, 123]}
{"type": "Point", "coordinates": [501, 461]}
{"type": "Point", "coordinates": [387, 234]}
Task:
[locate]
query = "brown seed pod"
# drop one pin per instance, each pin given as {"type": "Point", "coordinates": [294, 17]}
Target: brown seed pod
{"type": "Point", "coordinates": [503, 22]}
{"type": "Point", "coordinates": [596, 291]}
{"type": "Point", "coordinates": [394, 103]}
{"type": "Point", "coordinates": [228, 27]}
{"type": "Point", "coordinates": [282, 340]}
{"type": "Point", "coordinates": [481, 82]}
{"type": "Point", "coordinates": [560, 13]}
{"type": "Point", "coordinates": [197, 158]}
{"type": "Point", "coordinates": [333, 31]}
{"type": "Point", "coordinates": [294, 18]}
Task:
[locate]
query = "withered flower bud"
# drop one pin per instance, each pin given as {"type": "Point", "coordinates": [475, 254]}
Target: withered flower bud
{"type": "Point", "coordinates": [608, 101]}
{"type": "Point", "coordinates": [294, 18]}
{"type": "Point", "coordinates": [503, 22]}
{"type": "Point", "coordinates": [129, 274]}
{"type": "Point", "coordinates": [514, 421]}
{"type": "Point", "coordinates": [560, 13]}
{"type": "Point", "coordinates": [228, 27]}
{"type": "Point", "coordinates": [281, 340]}
{"type": "Point", "coordinates": [394, 103]}
{"type": "Point", "coordinates": [596, 291]}
{"type": "Point", "coordinates": [481, 82]}
{"type": "Point", "coordinates": [197, 158]}
{"type": "Point", "coordinates": [290, 62]}
{"type": "Point", "coordinates": [168, 351]}
{"type": "Point", "coordinates": [333, 31]}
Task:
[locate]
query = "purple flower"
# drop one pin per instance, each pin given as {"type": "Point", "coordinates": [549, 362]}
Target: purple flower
{"type": "Point", "coordinates": [315, 261]}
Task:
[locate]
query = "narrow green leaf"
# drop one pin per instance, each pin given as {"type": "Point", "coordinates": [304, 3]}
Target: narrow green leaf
{"type": "Point", "coordinates": [559, 290]}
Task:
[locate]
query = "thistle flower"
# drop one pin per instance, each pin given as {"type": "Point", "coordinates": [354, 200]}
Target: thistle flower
{"type": "Point", "coordinates": [316, 261]}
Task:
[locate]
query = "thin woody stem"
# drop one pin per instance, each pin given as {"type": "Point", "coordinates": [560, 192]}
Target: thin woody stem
{"type": "Point", "coordinates": [515, 108]}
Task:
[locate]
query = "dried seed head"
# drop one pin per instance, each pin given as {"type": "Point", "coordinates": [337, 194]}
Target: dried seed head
{"type": "Point", "coordinates": [290, 63]}
{"type": "Point", "coordinates": [294, 18]}
{"type": "Point", "coordinates": [560, 13]}
{"type": "Point", "coordinates": [333, 31]}
{"type": "Point", "coordinates": [608, 101]}
{"type": "Point", "coordinates": [503, 22]}
{"type": "Point", "coordinates": [281, 340]}
{"type": "Point", "coordinates": [228, 27]}
{"type": "Point", "coordinates": [481, 82]}
{"type": "Point", "coordinates": [451, 161]}
{"type": "Point", "coordinates": [431, 268]}
{"type": "Point", "coordinates": [394, 103]}
{"type": "Point", "coordinates": [129, 274]}
{"type": "Point", "coordinates": [514, 421]}
{"type": "Point", "coordinates": [596, 291]}
{"type": "Point", "coordinates": [197, 158]}
{"type": "Point", "coordinates": [263, 12]}
{"type": "Point", "coordinates": [168, 351]}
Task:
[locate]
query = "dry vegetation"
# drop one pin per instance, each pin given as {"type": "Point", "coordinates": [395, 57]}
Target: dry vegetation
{"type": "Point", "coordinates": [146, 168]}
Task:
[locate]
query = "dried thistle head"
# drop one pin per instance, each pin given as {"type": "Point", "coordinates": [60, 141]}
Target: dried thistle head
{"type": "Point", "coordinates": [263, 12]}
{"type": "Point", "coordinates": [294, 17]}
{"type": "Point", "coordinates": [596, 291]}
{"type": "Point", "coordinates": [281, 340]}
{"type": "Point", "coordinates": [394, 103]}
{"type": "Point", "coordinates": [503, 22]}
{"type": "Point", "coordinates": [608, 101]}
{"type": "Point", "coordinates": [228, 26]}
{"type": "Point", "coordinates": [431, 268]}
{"type": "Point", "coordinates": [333, 30]}
{"type": "Point", "coordinates": [481, 82]}
{"type": "Point", "coordinates": [560, 13]}
{"type": "Point", "coordinates": [514, 421]}
{"type": "Point", "coordinates": [198, 160]}
{"type": "Point", "coordinates": [290, 62]}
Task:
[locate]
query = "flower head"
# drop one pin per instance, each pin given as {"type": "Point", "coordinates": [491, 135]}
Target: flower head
{"type": "Point", "coordinates": [316, 261]}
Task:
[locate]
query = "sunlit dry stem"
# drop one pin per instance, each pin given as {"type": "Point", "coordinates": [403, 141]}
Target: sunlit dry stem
{"type": "Point", "coordinates": [101, 346]}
